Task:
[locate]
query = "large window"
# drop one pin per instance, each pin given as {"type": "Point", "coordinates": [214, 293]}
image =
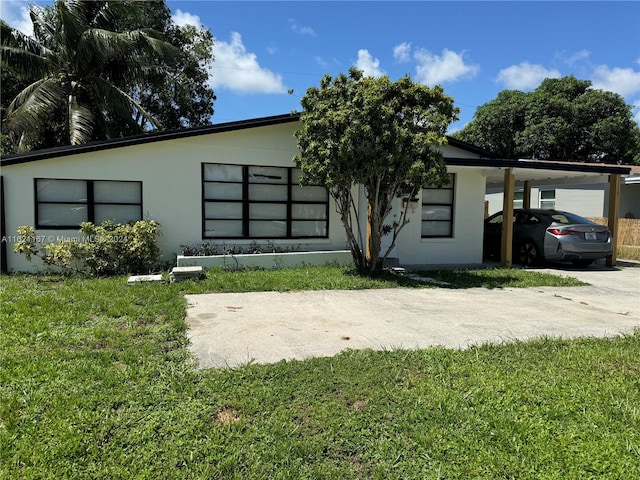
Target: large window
{"type": "Point", "coordinates": [67, 203]}
{"type": "Point", "coordinates": [437, 210]}
{"type": "Point", "coordinates": [241, 201]}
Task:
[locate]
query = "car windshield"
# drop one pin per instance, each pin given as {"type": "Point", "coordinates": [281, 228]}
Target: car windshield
{"type": "Point", "coordinates": [568, 218]}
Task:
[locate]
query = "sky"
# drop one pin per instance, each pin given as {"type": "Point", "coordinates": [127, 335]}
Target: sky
{"type": "Point", "coordinates": [474, 49]}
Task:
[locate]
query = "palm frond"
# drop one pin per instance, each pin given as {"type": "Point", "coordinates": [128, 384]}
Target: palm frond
{"type": "Point", "coordinates": [120, 101]}
{"type": "Point", "coordinates": [28, 113]}
{"type": "Point", "coordinates": [73, 21]}
{"type": "Point", "coordinates": [82, 122]}
{"type": "Point", "coordinates": [24, 61]}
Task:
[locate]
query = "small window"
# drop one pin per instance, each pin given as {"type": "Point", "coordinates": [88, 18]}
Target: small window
{"type": "Point", "coordinates": [518, 200]}
{"type": "Point", "coordinates": [67, 203]}
{"type": "Point", "coordinates": [547, 199]}
{"type": "Point", "coordinates": [437, 210]}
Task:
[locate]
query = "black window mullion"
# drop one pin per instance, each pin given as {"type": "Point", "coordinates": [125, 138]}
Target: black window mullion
{"type": "Point", "coordinates": [289, 204]}
{"type": "Point", "coordinates": [245, 202]}
{"type": "Point", "coordinates": [91, 215]}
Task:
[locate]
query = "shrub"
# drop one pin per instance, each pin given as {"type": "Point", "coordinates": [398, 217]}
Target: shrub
{"type": "Point", "coordinates": [106, 249]}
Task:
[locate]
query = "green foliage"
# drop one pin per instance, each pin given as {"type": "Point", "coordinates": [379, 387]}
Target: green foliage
{"type": "Point", "coordinates": [106, 249]}
{"type": "Point", "coordinates": [79, 69]}
{"type": "Point", "coordinates": [562, 119]}
{"type": "Point", "coordinates": [179, 96]}
{"type": "Point", "coordinates": [107, 389]}
{"type": "Point", "coordinates": [376, 133]}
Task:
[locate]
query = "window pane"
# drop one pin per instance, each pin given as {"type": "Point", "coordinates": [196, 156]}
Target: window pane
{"type": "Point", "coordinates": [223, 228]}
{"type": "Point", "coordinates": [222, 191]}
{"type": "Point", "coordinates": [436, 229]}
{"type": "Point", "coordinates": [267, 211]}
{"type": "Point", "coordinates": [117, 192]}
{"type": "Point", "coordinates": [117, 213]}
{"type": "Point", "coordinates": [52, 214]}
{"type": "Point", "coordinates": [308, 211]}
{"type": "Point", "coordinates": [437, 196]}
{"type": "Point", "coordinates": [222, 173]}
{"type": "Point", "coordinates": [547, 194]}
{"type": "Point", "coordinates": [268, 229]}
{"type": "Point", "coordinates": [223, 210]}
{"type": "Point", "coordinates": [308, 194]}
{"type": "Point", "coordinates": [61, 190]}
{"type": "Point", "coordinates": [436, 212]}
{"type": "Point", "coordinates": [268, 175]}
{"type": "Point", "coordinates": [268, 192]}
{"type": "Point", "coordinates": [309, 228]}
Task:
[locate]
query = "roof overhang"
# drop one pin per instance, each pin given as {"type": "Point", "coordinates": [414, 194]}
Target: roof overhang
{"type": "Point", "coordinates": [540, 172]}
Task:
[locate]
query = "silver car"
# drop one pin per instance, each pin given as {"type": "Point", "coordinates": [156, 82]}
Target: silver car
{"type": "Point", "coordinates": [549, 235]}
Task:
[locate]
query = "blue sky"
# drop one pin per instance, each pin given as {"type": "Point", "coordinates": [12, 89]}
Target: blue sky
{"type": "Point", "coordinates": [473, 49]}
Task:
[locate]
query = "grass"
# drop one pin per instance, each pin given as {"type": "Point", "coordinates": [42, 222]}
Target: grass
{"type": "Point", "coordinates": [97, 383]}
{"type": "Point", "coordinates": [337, 278]}
{"type": "Point", "coordinates": [629, 253]}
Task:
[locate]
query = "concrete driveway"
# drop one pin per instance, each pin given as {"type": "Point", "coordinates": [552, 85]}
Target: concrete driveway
{"type": "Point", "coordinates": [232, 329]}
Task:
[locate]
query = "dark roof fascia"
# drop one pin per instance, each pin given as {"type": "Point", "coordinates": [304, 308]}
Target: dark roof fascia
{"type": "Point", "coordinates": [539, 165]}
{"type": "Point", "coordinates": [454, 142]}
{"type": "Point", "coordinates": [145, 138]}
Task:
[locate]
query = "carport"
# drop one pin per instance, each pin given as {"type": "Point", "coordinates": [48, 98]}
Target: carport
{"type": "Point", "coordinates": [509, 174]}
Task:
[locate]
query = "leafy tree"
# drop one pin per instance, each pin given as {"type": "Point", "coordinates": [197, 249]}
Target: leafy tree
{"type": "Point", "coordinates": [180, 96]}
{"type": "Point", "coordinates": [376, 133]}
{"type": "Point", "coordinates": [562, 119]}
{"type": "Point", "coordinates": [78, 65]}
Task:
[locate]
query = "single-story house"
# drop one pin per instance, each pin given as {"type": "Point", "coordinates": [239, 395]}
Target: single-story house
{"type": "Point", "coordinates": [236, 183]}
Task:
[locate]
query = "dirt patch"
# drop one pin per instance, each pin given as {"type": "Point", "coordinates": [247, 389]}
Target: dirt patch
{"type": "Point", "coordinates": [226, 416]}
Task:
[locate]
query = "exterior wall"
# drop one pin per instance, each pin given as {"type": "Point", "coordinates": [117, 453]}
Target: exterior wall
{"type": "Point", "coordinates": [466, 245]}
{"type": "Point", "coordinates": [171, 175]}
{"type": "Point", "coordinates": [585, 200]}
{"type": "Point", "coordinates": [630, 200]}
{"type": "Point", "coordinates": [170, 172]}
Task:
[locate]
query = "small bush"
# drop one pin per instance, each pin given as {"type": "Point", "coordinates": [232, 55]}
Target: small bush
{"type": "Point", "coordinates": [106, 249]}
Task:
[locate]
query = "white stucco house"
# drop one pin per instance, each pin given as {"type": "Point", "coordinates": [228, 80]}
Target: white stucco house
{"type": "Point", "coordinates": [236, 183]}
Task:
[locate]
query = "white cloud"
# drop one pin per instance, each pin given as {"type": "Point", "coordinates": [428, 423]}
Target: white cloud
{"type": "Point", "coordinates": [448, 67]}
{"type": "Point", "coordinates": [301, 30]}
{"type": "Point", "coordinates": [238, 70]}
{"type": "Point", "coordinates": [402, 52]}
{"type": "Point", "coordinates": [181, 19]}
{"type": "Point", "coordinates": [525, 76]}
{"type": "Point", "coordinates": [16, 14]}
{"type": "Point", "coordinates": [369, 65]}
{"type": "Point", "coordinates": [624, 81]}
{"type": "Point", "coordinates": [578, 57]}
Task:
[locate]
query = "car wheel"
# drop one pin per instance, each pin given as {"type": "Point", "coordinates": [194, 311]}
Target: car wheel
{"type": "Point", "coordinates": [528, 254]}
{"type": "Point", "coordinates": [582, 263]}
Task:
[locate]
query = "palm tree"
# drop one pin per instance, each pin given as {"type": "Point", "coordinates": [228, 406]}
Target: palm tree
{"type": "Point", "coordinates": [80, 68]}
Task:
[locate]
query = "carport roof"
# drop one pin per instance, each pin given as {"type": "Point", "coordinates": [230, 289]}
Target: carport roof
{"type": "Point", "coordinates": [539, 171]}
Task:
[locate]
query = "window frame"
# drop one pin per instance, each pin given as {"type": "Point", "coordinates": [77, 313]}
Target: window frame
{"type": "Point", "coordinates": [90, 202]}
{"type": "Point", "coordinates": [246, 203]}
{"type": "Point", "coordinates": [451, 186]}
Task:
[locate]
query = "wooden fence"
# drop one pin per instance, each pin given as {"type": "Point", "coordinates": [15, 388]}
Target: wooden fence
{"type": "Point", "coordinates": [628, 230]}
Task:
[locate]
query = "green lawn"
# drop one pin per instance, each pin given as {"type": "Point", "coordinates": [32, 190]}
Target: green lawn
{"type": "Point", "coordinates": [97, 383]}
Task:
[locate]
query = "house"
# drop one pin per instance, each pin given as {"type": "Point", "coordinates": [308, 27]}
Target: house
{"type": "Point", "coordinates": [235, 183]}
{"type": "Point", "coordinates": [585, 199]}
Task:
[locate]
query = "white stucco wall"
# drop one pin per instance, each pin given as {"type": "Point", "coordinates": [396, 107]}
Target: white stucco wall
{"type": "Point", "coordinates": [466, 245]}
{"type": "Point", "coordinates": [170, 172]}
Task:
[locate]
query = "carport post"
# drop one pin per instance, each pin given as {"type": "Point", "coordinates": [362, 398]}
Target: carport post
{"type": "Point", "coordinates": [614, 208]}
{"type": "Point", "coordinates": [526, 195]}
{"type": "Point", "coordinates": [507, 219]}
